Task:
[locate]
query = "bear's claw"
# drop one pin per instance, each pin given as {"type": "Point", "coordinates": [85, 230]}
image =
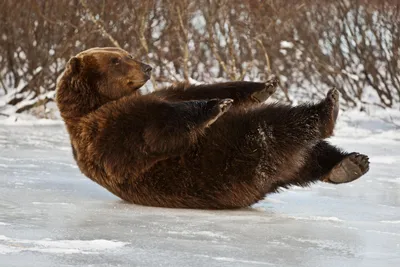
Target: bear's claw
{"type": "Point", "coordinates": [225, 104]}
{"type": "Point", "coordinates": [220, 106]}
{"type": "Point", "coordinates": [270, 88]}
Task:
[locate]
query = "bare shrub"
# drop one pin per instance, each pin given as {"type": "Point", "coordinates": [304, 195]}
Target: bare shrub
{"type": "Point", "coordinates": [310, 44]}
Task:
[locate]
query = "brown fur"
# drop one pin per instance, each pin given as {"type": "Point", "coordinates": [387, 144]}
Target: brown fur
{"type": "Point", "coordinates": [179, 147]}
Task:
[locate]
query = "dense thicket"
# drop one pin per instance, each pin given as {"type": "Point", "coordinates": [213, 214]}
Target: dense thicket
{"type": "Point", "coordinates": [311, 44]}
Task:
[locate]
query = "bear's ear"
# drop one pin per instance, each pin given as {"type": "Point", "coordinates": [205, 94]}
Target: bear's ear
{"type": "Point", "coordinates": [74, 65]}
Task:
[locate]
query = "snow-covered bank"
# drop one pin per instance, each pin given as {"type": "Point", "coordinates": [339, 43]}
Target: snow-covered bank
{"type": "Point", "coordinates": [27, 120]}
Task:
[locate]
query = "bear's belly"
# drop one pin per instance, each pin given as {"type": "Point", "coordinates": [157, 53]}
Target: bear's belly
{"type": "Point", "coordinates": [198, 182]}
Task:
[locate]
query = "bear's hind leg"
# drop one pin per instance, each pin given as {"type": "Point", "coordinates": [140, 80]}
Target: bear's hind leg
{"type": "Point", "coordinates": [329, 110]}
{"type": "Point", "coordinates": [300, 127]}
{"type": "Point", "coordinates": [327, 163]}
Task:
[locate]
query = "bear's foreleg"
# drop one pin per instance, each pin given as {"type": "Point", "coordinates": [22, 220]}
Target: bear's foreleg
{"type": "Point", "coordinates": [173, 130]}
{"type": "Point", "coordinates": [242, 92]}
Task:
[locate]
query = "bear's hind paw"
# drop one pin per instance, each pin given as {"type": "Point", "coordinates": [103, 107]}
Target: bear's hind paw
{"type": "Point", "coordinates": [349, 169]}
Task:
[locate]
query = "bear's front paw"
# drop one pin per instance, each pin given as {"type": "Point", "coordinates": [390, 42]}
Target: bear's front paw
{"type": "Point", "coordinates": [224, 105]}
{"type": "Point", "coordinates": [216, 108]}
{"type": "Point", "coordinates": [267, 91]}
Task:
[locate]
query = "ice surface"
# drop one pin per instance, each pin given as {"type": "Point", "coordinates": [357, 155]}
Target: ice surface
{"type": "Point", "coordinates": [51, 215]}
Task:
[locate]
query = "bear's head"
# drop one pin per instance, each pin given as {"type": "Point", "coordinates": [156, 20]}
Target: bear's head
{"type": "Point", "coordinates": [97, 76]}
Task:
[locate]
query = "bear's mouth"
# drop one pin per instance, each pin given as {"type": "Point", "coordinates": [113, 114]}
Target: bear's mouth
{"type": "Point", "coordinates": [136, 84]}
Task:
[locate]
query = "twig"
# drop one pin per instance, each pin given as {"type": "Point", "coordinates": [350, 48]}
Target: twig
{"type": "Point", "coordinates": [186, 48]}
{"type": "Point", "coordinates": [143, 42]}
{"type": "Point", "coordinates": [216, 54]}
{"type": "Point", "coordinates": [96, 22]}
{"type": "Point", "coordinates": [265, 54]}
{"type": "Point", "coordinates": [3, 86]}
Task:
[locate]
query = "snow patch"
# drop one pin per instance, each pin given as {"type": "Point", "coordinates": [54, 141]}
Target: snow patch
{"type": "Point", "coordinates": [383, 232]}
{"type": "Point", "coordinates": [384, 159]}
{"type": "Point", "coordinates": [390, 180]}
{"type": "Point", "coordinates": [6, 250]}
{"type": "Point", "coordinates": [198, 233]}
{"type": "Point", "coordinates": [391, 222]}
{"type": "Point", "coordinates": [263, 135]}
{"type": "Point", "coordinates": [317, 218]}
{"type": "Point", "coordinates": [324, 244]}
{"type": "Point", "coordinates": [50, 203]}
{"type": "Point", "coordinates": [10, 245]}
{"type": "Point", "coordinates": [286, 44]}
{"type": "Point", "coordinates": [194, 81]}
{"type": "Point", "coordinates": [350, 75]}
{"type": "Point", "coordinates": [28, 120]}
{"type": "Point", "coordinates": [227, 259]}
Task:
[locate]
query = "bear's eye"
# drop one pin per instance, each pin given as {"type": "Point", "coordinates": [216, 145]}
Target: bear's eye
{"type": "Point", "coordinates": [115, 60]}
{"type": "Point", "coordinates": [130, 56]}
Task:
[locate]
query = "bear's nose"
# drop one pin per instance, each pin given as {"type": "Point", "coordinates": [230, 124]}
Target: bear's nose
{"type": "Point", "coordinates": [146, 68]}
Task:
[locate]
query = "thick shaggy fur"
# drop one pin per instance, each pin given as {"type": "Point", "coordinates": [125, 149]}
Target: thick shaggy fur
{"type": "Point", "coordinates": [177, 148]}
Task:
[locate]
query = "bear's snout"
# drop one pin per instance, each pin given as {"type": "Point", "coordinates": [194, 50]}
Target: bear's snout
{"type": "Point", "coordinates": [146, 69]}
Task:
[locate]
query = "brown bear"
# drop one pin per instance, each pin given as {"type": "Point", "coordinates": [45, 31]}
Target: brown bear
{"type": "Point", "coordinates": [205, 146]}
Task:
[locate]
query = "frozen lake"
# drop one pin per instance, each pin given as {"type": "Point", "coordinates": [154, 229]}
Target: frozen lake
{"type": "Point", "coordinates": [51, 215]}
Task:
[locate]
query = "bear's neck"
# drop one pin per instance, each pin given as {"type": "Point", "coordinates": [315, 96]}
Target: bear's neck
{"type": "Point", "coordinates": [76, 100]}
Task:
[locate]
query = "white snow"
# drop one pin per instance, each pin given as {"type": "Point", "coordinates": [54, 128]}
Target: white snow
{"type": "Point", "coordinates": [11, 245]}
{"type": "Point", "coordinates": [286, 44]}
{"type": "Point", "coordinates": [317, 218]}
{"type": "Point", "coordinates": [392, 222]}
{"type": "Point", "coordinates": [27, 120]}
{"type": "Point", "coordinates": [385, 159]}
{"type": "Point", "coordinates": [240, 261]}
{"type": "Point", "coordinates": [198, 234]}
{"type": "Point", "coordinates": [50, 203]}
{"type": "Point", "coordinates": [195, 82]}
{"type": "Point", "coordinates": [350, 75]}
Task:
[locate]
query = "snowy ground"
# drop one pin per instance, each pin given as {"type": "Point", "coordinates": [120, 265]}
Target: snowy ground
{"type": "Point", "coordinates": [51, 215]}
